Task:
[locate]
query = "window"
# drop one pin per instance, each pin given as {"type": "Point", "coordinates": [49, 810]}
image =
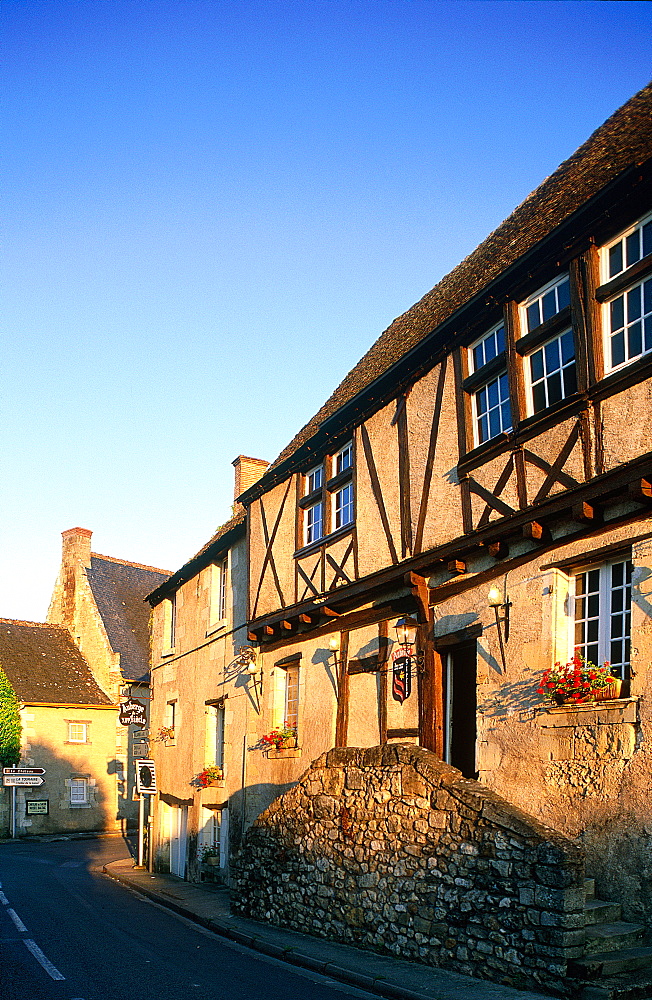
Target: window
{"type": "Point", "coordinates": [171, 719]}
{"type": "Point", "coordinates": [603, 597]}
{"type": "Point", "coordinates": [215, 735]}
{"type": "Point", "coordinates": [291, 700]}
{"type": "Point", "coordinates": [343, 506]}
{"type": "Point", "coordinates": [215, 836]}
{"type": "Point", "coordinates": [217, 596]}
{"type": "Point", "coordinates": [78, 791]}
{"type": "Point", "coordinates": [286, 696]}
{"type": "Point", "coordinates": [552, 372]}
{"type": "Point", "coordinates": [314, 523]}
{"type": "Point", "coordinates": [327, 503]}
{"type": "Point", "coordinates": [488, 348]}
{"type": "Point", "coordinates": [547, 302]}
{"type": "Point", "coordinates": [629, 324]}
{"type": "Point", "coordinates": [492, 413]}
{"type": "Point", "coordinates": [169, 623]}
{"type": "Point", "coordinates": [77, 732]}
{"type": "Point", "coordinates": [628, 249]}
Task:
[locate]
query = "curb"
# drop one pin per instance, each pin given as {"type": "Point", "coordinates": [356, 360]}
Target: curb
{"type": "Point", "coordinates": [372, 985]}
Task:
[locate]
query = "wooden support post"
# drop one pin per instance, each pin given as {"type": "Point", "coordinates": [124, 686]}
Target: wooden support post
{"type": "Point", "coordinates": [641, 491]}
{"type": "Point", "coordinates": [456, 566]}
{"type": "Point", "coordinates": [306, 619]}
{"type": "Point", "coordinates": [586, 513]}
{"type": "Point", "coordinates": [536, 532]}
{"type": "Point", "coordinates": [286, 625]}
{"type": "Point", "coordinates": [499, 550]}
{"type": "Point", "coordinates": [342, 718]}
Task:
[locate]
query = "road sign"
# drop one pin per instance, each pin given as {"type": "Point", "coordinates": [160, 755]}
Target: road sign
{"type": "Point", "coordinates": [23, 770]}
{"type": "Point", "coordinates": [145, 777]}
{"type": "Point", "coordinates": [28, 780]}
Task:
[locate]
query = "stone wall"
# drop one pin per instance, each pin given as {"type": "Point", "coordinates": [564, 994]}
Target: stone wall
{"type": "Point", "coordinates": [392, 850]}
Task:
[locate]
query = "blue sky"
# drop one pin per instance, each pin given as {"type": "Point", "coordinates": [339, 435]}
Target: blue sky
{"type": "Point", "coordinates": [212, 209]}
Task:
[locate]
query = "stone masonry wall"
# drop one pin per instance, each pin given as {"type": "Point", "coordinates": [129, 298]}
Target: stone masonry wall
{"type": "Point", "coordinates": [392, 850]}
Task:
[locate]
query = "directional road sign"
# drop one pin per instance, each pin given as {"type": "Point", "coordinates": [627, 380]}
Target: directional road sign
{"type": "Point", "coordinates": [29, 780]}
{"type": "Point", "coordinates": [23, 770]}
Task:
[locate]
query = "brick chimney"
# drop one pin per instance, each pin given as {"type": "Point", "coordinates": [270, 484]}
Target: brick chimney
{"type": "Point", "coordinates": [247, 472]}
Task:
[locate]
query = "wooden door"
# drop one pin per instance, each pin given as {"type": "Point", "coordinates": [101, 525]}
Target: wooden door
{"type": "Point", "coordinates": [460, 706]}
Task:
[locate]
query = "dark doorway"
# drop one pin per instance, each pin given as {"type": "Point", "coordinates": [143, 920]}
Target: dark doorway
{"type": "Point", "coordinates": [460, 705]}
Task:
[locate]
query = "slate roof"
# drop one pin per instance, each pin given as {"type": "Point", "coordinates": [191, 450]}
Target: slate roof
{"type": "Point", "coordinates": [625, 139]}
{"type": "Point", "coordinates": [44, 665]}
{"type": "Point", "coordinates": [223, 538]}
{"type": "Point", "coordinates": [120, 589]}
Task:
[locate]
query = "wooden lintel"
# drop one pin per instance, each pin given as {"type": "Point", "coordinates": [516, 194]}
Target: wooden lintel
{"type": "Point", "coordinates": [285, 624]}
{"type": "Point", "coordinates": [499, 549]}
{"type": "Point", "coordinates": [456, 566]}
{"type": "Point", "coordinates": [535, 531]}
{"type": "Point", "coordinates": [305, 619]}
{"type": "Point", "coordinates": [329, 613]}
{"type": "Point", "coordinates": [641, 490]}
{"type": "Point", "coordinates": [586, 513]}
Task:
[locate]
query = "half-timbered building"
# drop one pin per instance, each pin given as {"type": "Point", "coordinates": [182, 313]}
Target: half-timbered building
{"type": "Point", "coordinates": [495, 437]}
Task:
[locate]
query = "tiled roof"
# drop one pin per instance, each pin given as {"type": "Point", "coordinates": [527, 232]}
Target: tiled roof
{"type": "Point", "coordinates": [120, 589]}
{"type": "Point", "coordinates": [624, 140]}
{"type": "Point", "coordinates": [44, 665]}
{"type": "Point", "coordinates": [225, 535]}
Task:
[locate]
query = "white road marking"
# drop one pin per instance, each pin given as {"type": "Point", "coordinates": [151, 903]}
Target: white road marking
{"type": "Point", "coordinates": [3, 899]}
{"type": "Point", "coordinates": [18, 922]}
{"type": "Point", "coordinates": [42, 960]}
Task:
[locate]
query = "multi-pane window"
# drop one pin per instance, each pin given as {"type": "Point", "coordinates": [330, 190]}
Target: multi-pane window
{"type": "Point", "coordinates": [630, 324]}
{"type": "Point", "coordinates": [343, 506]}
{"type": "Point", "coordinates": [314, 479]}
{"type": "Point", "coordinates": [169, 623]}
{"type": "Point", "coordinates": [629, 248]}
{"type": "Point", "coordinates": [603, 598]}
{"type": "Point", "coordinates": [291, 697]}
{"type": "Point", "coordinates": [547, 302]}
{"type": "Point", "coordinates": [77, 732]}
{"type": "Point", "coordinates": [314, 523]}
{"type": "Point", "coordinates": [78, 791]}
{"type": "Point", "coordinates": [217, 598]}
{"type": "Point", "coordinates": [552, 371]}
{"type": "Point", "coordinates": [343, 459]}
{"type": "Point", "coordinates": [493, 414]}
{"type": "Point", "coordinates": [488, 348]}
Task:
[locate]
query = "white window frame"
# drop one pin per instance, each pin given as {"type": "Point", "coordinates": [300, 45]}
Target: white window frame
{"type": "Point", "coordinates": [286, 696]}
{"type": "Point", "coordinates": [216, 716]}
{"type": "Point", "coordinates": [547, 375]}
{"type": "Point", "coordinates": [313, 525]}
{"type": "Point", "coordinates": [83, 726]}
{"type": "Point", "coordinates": [636, 298]}
{"type": "Point", "coordinates": [219, 574]}
{"type": "Point", "coordinates": [505, 426]}
{"type": "Point", "coordinates": [491, 343]}
{"type": "Point", "coordinates": [552, 287]}
{"type": "Point", "coordinates": [79, 785]}
{"type": "Point", "coordinates": [215, 832]}
{"type": "Point", "coordinates": [169, 624]}
{"type": "Point", "coordinates": [343, 508]}
{"type": "Point", "coordinates": [343, 459]}
{"type": "Point", "coordinates": [314, 479]}
{"type": "Point", "coordinates": [597, 645]}
{"type": "Point", "coordinates": [622, 240]}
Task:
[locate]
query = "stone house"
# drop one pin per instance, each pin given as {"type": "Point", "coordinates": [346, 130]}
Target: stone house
{"type": "Point", "coordinates": [496, 437]}
{"type": "Point", "coordinates": [203, 701]}
{"type": "Point", "coordinates": [101, 601]}
{"type": "Point", "coordinates": [68, 729]}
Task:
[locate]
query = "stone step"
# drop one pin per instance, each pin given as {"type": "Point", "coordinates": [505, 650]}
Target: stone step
{"type": "Point", "coordinates": [598, 911]}
{"type": "Point", "coordinates": [609, 963]}
{"type": "Point", "coordinates": [589, 888]}
{"type": "Point", "coordinates": [614, 936]}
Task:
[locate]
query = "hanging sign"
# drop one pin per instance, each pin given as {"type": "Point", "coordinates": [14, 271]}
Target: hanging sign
{"type": "Point", "coordinates": [133, 713]}
{"type": "Point", "coordinates": [401, 674]}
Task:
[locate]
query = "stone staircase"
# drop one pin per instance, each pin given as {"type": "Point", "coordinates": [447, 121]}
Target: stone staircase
{"type": "Point", "coordinates": [616, 965]}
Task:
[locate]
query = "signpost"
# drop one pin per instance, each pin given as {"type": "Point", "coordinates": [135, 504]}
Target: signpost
{"type": "Point", "coordinates": [145, 785]}
{"type": "Point", "coordinates": [26, 777]}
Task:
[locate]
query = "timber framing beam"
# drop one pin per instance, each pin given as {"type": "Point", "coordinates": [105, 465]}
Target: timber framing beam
{"type": "Point", "coordinates": [581, 505]}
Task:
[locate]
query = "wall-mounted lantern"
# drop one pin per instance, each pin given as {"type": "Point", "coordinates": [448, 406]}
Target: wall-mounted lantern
{"type": "Point", "coordinates": [406, 631]}
{"type": "Point", "coordinates": [496, 601]}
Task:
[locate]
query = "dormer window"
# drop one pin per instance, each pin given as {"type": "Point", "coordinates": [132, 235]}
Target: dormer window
{"type": "Point", "coordinates": [327, 503]}
{"type": "Point", "coordinates": [547, 302]}
{"type": "Point", "coordinates": [492, 414]}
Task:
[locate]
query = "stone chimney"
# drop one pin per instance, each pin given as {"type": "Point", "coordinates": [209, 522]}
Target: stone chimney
{"type": "Point", "coordinates": [247, 472]}
{"type": "Point", "coordinates": [76, 546]}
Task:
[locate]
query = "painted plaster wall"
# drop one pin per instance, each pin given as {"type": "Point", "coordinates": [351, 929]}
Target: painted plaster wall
{"type": "Point", "coordinates": [100, 761]}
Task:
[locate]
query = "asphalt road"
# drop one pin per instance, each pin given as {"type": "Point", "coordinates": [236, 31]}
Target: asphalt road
{"type": "Point", "coordinates": [68, 932]}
